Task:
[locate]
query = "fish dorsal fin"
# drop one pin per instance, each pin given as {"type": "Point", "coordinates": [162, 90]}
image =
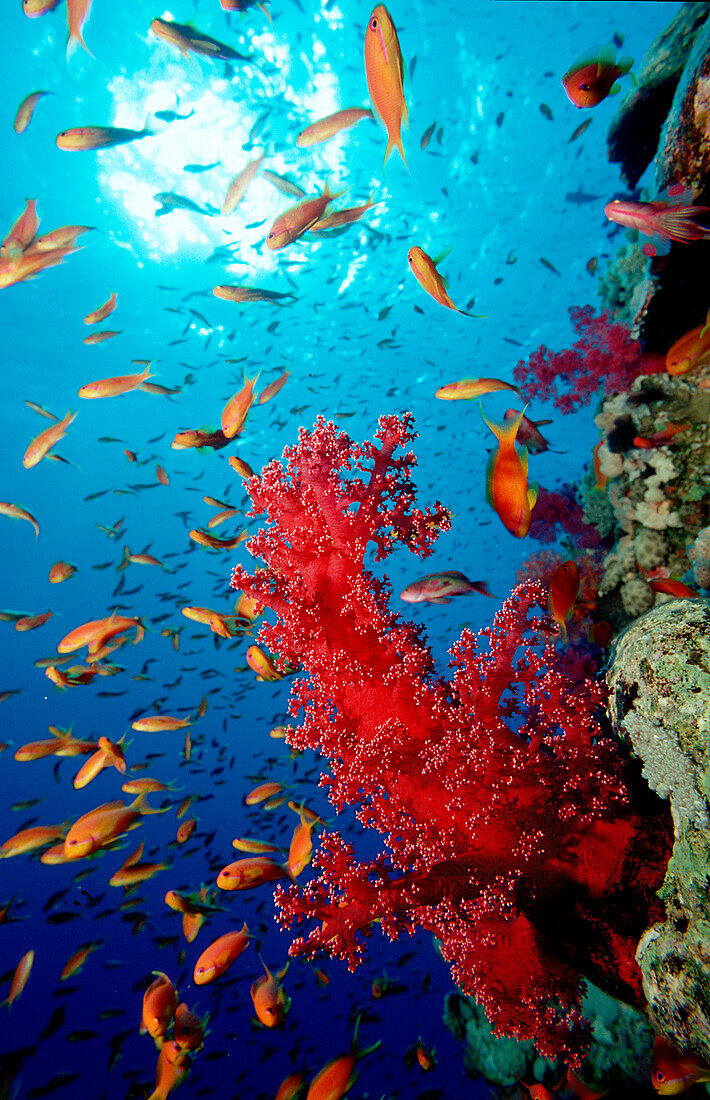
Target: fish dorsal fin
{"type": "Point", "coordinates": [596, 55]}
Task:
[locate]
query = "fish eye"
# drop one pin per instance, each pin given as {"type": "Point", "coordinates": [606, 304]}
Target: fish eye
{"type": "Point", "coordinates": [585, 87]}
{"type": "Point", "coordinates": [374, 23]}
{"type": "Point", "coordinates": [271, 236]}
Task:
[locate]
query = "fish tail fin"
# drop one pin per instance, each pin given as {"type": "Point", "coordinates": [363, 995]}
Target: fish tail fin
{"type": "Point", "coordinates": [140, 803]}
{"type": "Point", "coordinates": [507, 431]}
{"type": "Point", "coordinates": [263, 7]}
{"type": "Point", "coordinates": [482, 588]}
{"type": "Point", "coordinates": [76, 40]}
{"type": "Point", "coordinates": [395, 143]}
{"type": "Point", "coordinates": [478, 316]}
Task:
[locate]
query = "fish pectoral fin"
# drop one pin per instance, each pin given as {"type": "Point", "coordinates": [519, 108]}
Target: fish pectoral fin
{"type": "Point", "coordinates": [436, 260]}
{"type": "Point", "coordinates": [440, 599]}
{"type": "Point", "coordinates": [656, 246]}
{"type": "Point", "coordinates": [532, 496]}
{"type": "Point", "coordinates": [615, 88]}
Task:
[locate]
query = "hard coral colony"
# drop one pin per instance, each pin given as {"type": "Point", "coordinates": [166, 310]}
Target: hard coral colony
{"type": "Point", "coordinates": [511, 832]}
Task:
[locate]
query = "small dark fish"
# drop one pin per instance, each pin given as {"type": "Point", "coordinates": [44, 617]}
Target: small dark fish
{"type": "Point", "coordinates": [56, 1082]}
{"type": "Point", "coordinates": [171, 116]}
{"type": "Point", "coordinates": [579, 197]}
{"type": "Point", "coordinates": [54, 1022]}
{"type": "Point", "coordinates": [195, 168]}
{"type": "Point", "coordinates": [580, 130]}
{"type": "Point", "coordinates": [427, 135]}
{"type": "Point", "coordinates": [412, 67]}
{"type": "Point", "coordinates": [499, 119]}
{"type": "Point", "coordinates": [283, 184]}
{"type": "Point", "coordinates": [591, 265]}
{"type": "Point", "coordinates": [26, 804]}
{"type": "Point", "coordinates": [169, 201]}
{"type": "Point", "coordinates": [259, 125]}
{"type": "Point", "coordinates": [82, 1034]}
{"type": "Point", "coordinates": [62, 917]}
{"type": "Point", "coordinates": [546, 111]}
{"type": "Point", "coordinates": [549, 266]}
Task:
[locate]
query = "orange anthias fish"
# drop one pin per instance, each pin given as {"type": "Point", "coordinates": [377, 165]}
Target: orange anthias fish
{"type": "Point", "coordinates": [74, 964]}
{"type": "Point", "coordinates": [298, 219]}
{"type": "Point", "coordinates": [326, 128]}
{"type": "Point", "coordinates": [300, 850]}
{"type": "Point", "coordinates": [247, 874]}
{"type": "Point", "coordinates": [672, 1072]}
{"type": "Point", "coordinates": [669, 587]}
{"type": "Point", "coordinates": [469, 388]}
{"type": "Point", "coordinates": [189, 1028]}
{"type": "Point", "coordinates": [262, 792]}
{"type": "Point", "coordinates": [79, 139]}
{"type": "Point", "coordinates": [42, 444]}
{"type": "Point", "coordinates": [100, 827]}
{"type": "Point", "coordinates": [172, 1069]}
{"type": "Point", "coordinates": [341, 218]}
{"type": "Point", "coordinates": [384, 70]}
{"type": "Point", "coordinates": [440, 587]}
{"type": "Point", "coordinates": [29, 840]}
{"type": "Point", "coordinates": [160, 723]}
{"type": "Point", "coordinates": [216, 959]}
{"type": "Point", "coordinates": [22, 233]}
{"type": "Point", "coordinates": [291, 1087]}
{"type": "Point", "coordinates": [691, 351]}
{"type": "Point", "coordinates": [19, 978]}
{"type": "Point", "coordinates": [237, 408]}
{"type": "Point", "coordinates": [426, 274]}
{"type": "Point", "coordinates": [112, 387]}
{"type": "Point", "coordinates": [670, 217]}
{"type": "Point", "coordinates": [660, 438]}
{"type": "Point", "coordinates": [159, 1003]}
{"type": "Point", "coordinates": [97, 632]}
{"type": "Point", "coordinates": [263, 664]}
{"type": "Point", "coordinates": [507, 487]}
{"type": "Point", "coordinates": [240, 185]}
{"type": "Point", "coordinates": [102, 312]}
{"type": "Point", "coordinates": [593, 76]}
{"type": "Point", "coordinates": [271, 1002]}
{"type": "Point", "coordinates": [14, 511]}
{"type": "Point", "coordinates": [564, 589]}
{"type": "Point", "coordinates": [61, 571]}
{"type": "Point", "coordinates": [337, 1077]}
{"type": "Point", "coordinates": [26, 110]}
{"type": "Point", "coordinates": [34, 8]}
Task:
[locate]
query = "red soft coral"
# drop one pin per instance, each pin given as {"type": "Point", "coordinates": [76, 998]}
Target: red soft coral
{"type": "Point", "coordinates": [604, 355]}
{"type": "Point", "coordinates": [508, 828]}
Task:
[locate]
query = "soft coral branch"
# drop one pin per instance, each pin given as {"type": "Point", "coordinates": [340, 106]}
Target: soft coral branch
{"type": "Point", "coordinates": [508, 828]}
{"type": "Point", "coordinates": [603, 355]}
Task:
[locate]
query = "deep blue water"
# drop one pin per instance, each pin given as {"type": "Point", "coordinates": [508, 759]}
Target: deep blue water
{"type": "Point", "coordinates": [493, 185]}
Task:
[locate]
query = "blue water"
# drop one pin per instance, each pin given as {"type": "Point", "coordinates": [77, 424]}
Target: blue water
{"type": "Point", "coordinates": [494, 187]}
